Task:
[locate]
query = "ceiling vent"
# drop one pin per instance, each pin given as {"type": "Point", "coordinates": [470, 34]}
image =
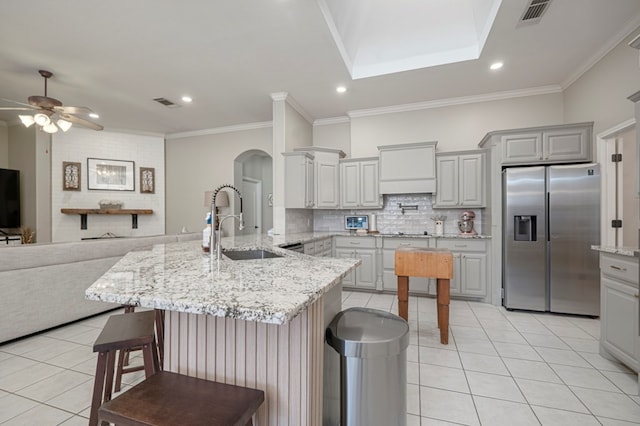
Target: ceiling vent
{"type": "Point", "coordinates": [166, 102]}
{"type": "Point", "coordinates": [533, 13]}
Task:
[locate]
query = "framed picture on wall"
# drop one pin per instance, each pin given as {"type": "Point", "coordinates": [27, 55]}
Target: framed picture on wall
{"type": "Point", "coordinates": [112, 175]}
{"type": "Point", "coordinates": [70, 176]}
{"type": "Point", "coordinates": [147, 180]}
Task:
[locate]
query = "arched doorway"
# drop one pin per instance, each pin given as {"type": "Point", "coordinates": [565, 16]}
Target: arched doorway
{"type": "Point", "coordinates": [253, 176]}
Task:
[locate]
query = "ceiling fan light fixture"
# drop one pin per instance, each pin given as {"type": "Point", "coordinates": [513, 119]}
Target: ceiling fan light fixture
{"type": "Point", "coordinates": [64, 125]}
{"type": "Point", "coordinates": [27, 120]}
{"type": "Point", "coordinates": [41, 119]}
{"type": "Point", "coordinates": [50, 127]}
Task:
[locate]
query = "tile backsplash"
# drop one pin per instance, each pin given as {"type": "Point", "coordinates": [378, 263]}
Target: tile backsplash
{"type": "Point", "coordinates": [391, 220]}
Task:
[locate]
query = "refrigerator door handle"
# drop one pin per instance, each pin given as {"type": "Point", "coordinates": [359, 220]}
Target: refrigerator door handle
{"type": "Point", "coordinates": [548, 227]}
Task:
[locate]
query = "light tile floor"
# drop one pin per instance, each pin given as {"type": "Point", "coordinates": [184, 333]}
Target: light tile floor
{"type": "Point", "coordinates": [500, 368]}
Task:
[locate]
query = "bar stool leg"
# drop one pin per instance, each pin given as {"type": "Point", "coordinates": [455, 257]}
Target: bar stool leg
{"type": "Point", "coordinates": [98, 387]}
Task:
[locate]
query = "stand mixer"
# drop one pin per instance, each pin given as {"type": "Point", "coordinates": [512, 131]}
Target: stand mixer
{"type": "Point", "coordinates": [465, 224]}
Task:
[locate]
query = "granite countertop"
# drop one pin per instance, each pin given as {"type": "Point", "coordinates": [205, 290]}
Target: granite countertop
{"type": "Point", "coordinates": [305, 237]}
{"type": "Point", "coordinates": [180, 277]}
{"type": "Point", "coordinates": [622, 251]}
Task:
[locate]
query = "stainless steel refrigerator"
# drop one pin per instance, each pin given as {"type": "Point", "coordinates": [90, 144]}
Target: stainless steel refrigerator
{"type": "Point", "coordinates": [551, 219]}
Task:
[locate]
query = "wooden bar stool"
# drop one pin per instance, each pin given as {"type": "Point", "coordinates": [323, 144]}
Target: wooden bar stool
{"type": "Point", "coordinates": [121, 332]}
{"type": "Point", "coordinates": [429, 263]}
{"type": "Point", "coordinates": [123, 356]}
{"type": "Point", "coordinates": [174, 399]}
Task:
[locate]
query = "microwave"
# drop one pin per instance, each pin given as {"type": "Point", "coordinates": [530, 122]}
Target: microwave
{"type": "Point", "coordinates": [356, 222]}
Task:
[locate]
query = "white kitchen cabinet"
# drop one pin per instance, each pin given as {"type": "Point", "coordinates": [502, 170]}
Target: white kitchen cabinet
{"type": "Point", "coordinates": [408, 168]}
{"type": "Point", "coordinates": [566, 143]}
{"type": "Point", "coordinates": [470, 259]}
{"type": "Point", "coordinates": [418, 285]}
{"type": "Point", "coordinates": [619, 308]}
{"type": "Point", "coordinates": [359, 184]}
{"type": "Point", "coordinates": [363, 248]}
{"type": "Point", "coordinates": [319, 248]}
{"type": "Point", "coordinates": [326, 174]}
{"type": "Point", "coordinates": [299, 180]}
{"type": "Point", "coordinates": [461, 180]}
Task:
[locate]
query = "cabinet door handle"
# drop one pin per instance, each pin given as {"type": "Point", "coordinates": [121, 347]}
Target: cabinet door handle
{"type": "Point", "coordinates": [637, 295]}
{"type": "Point", "coordinates": [617, 268]}
{"type": "Point", "coordinates": [460, 245]}
{"type": "Point", "coordinates": [355, 243]}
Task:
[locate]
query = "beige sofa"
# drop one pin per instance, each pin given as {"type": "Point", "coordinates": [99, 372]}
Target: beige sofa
{"type": "Point", "coordinates": [43, 285]}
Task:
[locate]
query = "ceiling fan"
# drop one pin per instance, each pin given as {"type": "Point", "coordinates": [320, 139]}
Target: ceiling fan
{"type": "Point", "coordinates": [50, 114]}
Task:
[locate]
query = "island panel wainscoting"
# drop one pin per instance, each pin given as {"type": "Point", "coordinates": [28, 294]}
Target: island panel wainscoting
{"type": "Point", "coordinates": [255, 323]}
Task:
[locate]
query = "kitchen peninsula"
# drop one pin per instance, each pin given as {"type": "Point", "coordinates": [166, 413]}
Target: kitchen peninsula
{"type": "Point", "coordinates": [257, 323]}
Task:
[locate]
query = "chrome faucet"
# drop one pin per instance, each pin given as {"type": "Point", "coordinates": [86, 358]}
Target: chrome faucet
{"type": "Point", "coordinates": [215, 240]}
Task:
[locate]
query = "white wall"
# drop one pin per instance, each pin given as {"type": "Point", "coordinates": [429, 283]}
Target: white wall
{"type": "Point", "coordinates": [197, 164]}
{"type": "Point", "coordinates": [600, 94]}
{"type": "Point", "coordinates": [4, 145]}
{"type": "Point", "coordinates": [22, 155]}
{"type": "Point", "coordinates": [337, 135]}
{"type": "Point", "coordinates": [77, 145]}
{"type": "Point", "coordinates": [456, 127]}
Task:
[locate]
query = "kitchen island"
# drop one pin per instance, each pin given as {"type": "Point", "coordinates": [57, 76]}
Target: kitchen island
{"type": "Point", "coordinates": [257, 323]}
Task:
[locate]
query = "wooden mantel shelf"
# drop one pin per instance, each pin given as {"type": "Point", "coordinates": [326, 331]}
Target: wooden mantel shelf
{"type": "Point", "coordinates": [84, 212]}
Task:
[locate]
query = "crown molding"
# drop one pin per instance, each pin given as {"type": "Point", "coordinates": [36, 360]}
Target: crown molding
{"type": "Point", "coordinates": [219, 130]}
{"type": "Point", "coordinates": [616, 130]}
{"type": "Point", "coordinates": [279, 96]}
{"type": "Point", "coordinates": [284, 96]}
{"type": "Point", "coordinates": [626, 30]}
{"type": "Point", "coordinates": [497, 96]}
{"type": "Point", "coordinates": [331, 120]}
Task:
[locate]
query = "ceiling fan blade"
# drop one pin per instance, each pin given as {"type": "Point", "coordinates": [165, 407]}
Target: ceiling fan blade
{"type": "Point", "coordinates": [17, 103]}
{"type": "Point", "coordinates": [73, 110]}
{"type": "Point", "coordinates": [81, 121]}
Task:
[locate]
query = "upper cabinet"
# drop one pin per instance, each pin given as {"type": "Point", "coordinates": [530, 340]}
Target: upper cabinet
{"type": "Point", "coordinates": [461, 180]}
{"type": "Point", "coordinates": [299, 180]}
{"type": "Point", "coordinates": [565, 143]}
{"type": "Point", "coordinates": [359, 183]}
{"type": "Point", "coordinates": [326, 176]}
{"type": "Point", "coordinates": [408, 168]}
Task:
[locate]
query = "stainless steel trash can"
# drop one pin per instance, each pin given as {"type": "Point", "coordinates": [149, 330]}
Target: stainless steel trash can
{"type": "Point", "coordinates": [373, 366]}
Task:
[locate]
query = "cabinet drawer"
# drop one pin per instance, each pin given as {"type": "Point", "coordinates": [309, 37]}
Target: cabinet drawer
{"type": "Point", "coordinates": [394, 243]}
{"type": "Point", "coordinates": [355, 242]}
{"type": "Point", "coordinates": [621, 267]}
{"type": "Point", "coordinates": [462, 245]}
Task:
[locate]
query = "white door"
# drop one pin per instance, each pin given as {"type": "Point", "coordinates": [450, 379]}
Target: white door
{"type": "Point", "coordinates": [252, 205]}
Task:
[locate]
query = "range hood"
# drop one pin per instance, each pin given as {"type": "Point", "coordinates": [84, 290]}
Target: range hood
{"type": "Point", "coordinates": [408, 168]}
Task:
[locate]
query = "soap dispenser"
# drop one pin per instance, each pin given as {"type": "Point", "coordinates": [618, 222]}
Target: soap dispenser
{"type": "Point", "coordinates": [206, 234]}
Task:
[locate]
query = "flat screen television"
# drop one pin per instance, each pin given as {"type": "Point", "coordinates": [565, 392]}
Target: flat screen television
{"type": "Point", "coordinates": [9, 198]}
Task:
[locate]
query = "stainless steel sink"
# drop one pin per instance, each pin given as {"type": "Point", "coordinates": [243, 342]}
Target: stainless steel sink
{"type": "Point", "coordinates": [249, 254]}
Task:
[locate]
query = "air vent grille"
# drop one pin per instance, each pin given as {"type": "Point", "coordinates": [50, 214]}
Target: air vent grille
{"type": "Point", "coordinates": [533, 13]}
{"type": "Point", "coordinates": [166, 102]}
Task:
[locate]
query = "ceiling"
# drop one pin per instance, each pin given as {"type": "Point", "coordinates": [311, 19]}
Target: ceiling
{"type": "Point", "coordinates": [230, 56]}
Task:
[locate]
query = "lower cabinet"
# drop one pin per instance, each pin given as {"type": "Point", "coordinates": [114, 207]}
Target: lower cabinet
{"type": "Point", "coordinates": [619, 308]}
{"type": "Point", "coordinates": [469, 266]}
{"type": "Point", "coordinates": [389, 278]}
{"type": "Point", "coordinates": [363, 248]}
{"type": "Point", "coordinates": [319, 248]}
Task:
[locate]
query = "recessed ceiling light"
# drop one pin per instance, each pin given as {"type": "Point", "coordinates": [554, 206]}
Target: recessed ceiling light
{"type": "Point", "coordinates": [187, 99]}
{"type": "Point", "coordinates": [94, 115]}
{"type": "Point", "coordinates": [496, 66]}
{"type": "Point", "coordinates": [341, 89]}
